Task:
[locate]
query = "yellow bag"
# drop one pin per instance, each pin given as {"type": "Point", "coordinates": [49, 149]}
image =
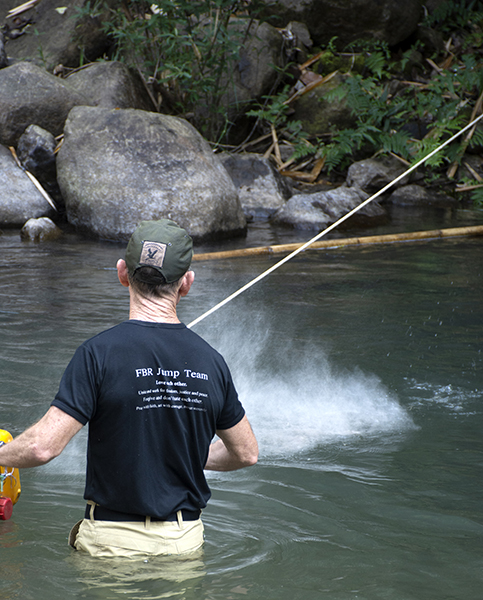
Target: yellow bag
{"type": "Point", "coordinates": [9, 483]}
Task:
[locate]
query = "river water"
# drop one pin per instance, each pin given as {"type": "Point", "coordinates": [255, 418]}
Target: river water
{"type": "Point", "coordinates": [361, 372]}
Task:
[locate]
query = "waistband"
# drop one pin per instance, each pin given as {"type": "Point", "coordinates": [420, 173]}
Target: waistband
{"type": "Point", "coordinates": [105, 514]}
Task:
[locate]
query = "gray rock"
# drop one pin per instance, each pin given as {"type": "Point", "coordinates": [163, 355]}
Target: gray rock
{"type": "Point", "coordinates": [20, 200]}
{"type": "Point", "coordinates": [29, 95]}
{"type": "Point", "coordinates": [297, 41]}
{"type": "Point", "coordinates": [471, 167]}
{"type": "Point", "coordinates": [250, 77]}
{"type": "Point", "coordinates": [50, 38]}
{"type": "Point", "coordinates": [3, 54]}
{"type": "Point", "coordinates": [321, 209]}
{"type": "Point", "coordinates": [432, 40]}
{"type": "Point", "coordinates": [415, 195]}
{"type": "Point", "coordinates": [391, 21]}
{"type": "Point", "coordinates": [40, 230]}
{"type": "Point", "coordinates": [261, 189]}
{"type": "Point", "coordinates": [254, 72]}
{"type": "Point", "coordinates": [371, 174]}
{"type": "Point", "coordinates": [319, 115]}
{"type": "Point", "coordinates": [118, 167]}
{"type": "Point", "coordinates": [111, 85]}
{"type": "Point", "coordinates": [302, 33]}
{"type": "Point", "coordinates": [36, 151]}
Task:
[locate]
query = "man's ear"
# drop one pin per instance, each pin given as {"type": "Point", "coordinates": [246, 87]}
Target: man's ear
{"type": "Point", "coordinates": [186, 283]}
{"type": "Point", "coordinates": [122, 272]}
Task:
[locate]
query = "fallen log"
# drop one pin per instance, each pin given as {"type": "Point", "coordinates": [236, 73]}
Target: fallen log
{"type": "Point", "coordinates": [341, 242]}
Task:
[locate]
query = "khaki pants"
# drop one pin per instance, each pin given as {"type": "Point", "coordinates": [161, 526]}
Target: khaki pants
{"type": "Point", "coordinates": [129, 538]}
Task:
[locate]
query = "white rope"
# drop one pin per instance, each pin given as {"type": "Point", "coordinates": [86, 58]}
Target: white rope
{"type": "Point", "coordinates": [331, 227]}
{"type": "Point", "coordinates": [4, 476]}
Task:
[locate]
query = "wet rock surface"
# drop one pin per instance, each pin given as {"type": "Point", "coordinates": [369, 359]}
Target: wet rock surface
{"type": "Point", "coordinates": [93, 140]}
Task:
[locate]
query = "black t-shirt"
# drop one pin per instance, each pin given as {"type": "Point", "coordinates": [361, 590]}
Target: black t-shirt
{"type": "Point", "coordinates": [154, 394]}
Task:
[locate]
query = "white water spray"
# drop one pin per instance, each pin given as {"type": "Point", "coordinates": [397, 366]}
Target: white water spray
{"type": "Point", "coordinates": [314, 406]}
{"type": "Point", "coordinates": [295, 399]}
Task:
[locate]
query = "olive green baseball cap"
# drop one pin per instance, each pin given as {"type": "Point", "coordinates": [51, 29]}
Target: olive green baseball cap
{"type": "Point", "coordinates": [163, 245]}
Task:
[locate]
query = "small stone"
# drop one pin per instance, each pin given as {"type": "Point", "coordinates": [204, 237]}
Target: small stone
{"type": "Point", "coordinates": [40, 230]}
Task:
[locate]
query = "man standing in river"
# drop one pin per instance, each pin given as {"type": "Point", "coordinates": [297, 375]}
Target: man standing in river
{"type": "Point", "coordinates": [154, 394]}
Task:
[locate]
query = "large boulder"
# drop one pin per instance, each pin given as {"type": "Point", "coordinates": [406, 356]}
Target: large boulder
{"type": "Point", "coordinates": [20, 200]}
{"type": "Point", "coordinates": [249, 77]}
{"type": "Point", "coordinates": [53, 33]}
{"type": "Point", "coordinates": [111, 85]}
{"type": "Point", "coordinates": [256, 69]}
{"type": "Point", "coordinates": [390, 21]}
{"type": "Point", "coordinates": [319, 210]}
{"type": "Point", "coordinates": [119, 167]}
{"type": "Point", "coordinates": [29, 95]}
{"type": "Point", "coordinates": [261, 188]}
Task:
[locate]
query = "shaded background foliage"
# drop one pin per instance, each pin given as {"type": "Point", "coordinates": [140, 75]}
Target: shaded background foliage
{"type": "Point", "coordinates": [404, 100]}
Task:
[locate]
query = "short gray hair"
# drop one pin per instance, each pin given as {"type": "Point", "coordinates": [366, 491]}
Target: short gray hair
{"type": "Point", "coordinates": [149, 282]}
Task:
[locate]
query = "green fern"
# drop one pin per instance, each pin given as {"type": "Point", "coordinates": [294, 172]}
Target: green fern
{"type": "Point", "coordinates": [454, 14]}
{"type": "Point", "coordinates": [477, 197]}
{"type": "Point", "coordinates": [275, 109]}
{"type": "Point", "coordinates": [396, 142]}
{"type": "Point", "coordinates": [339, 151]}
{"type": "Point", "coordinates": [376, 62]}
{"type": "Point", "coordinates": [477, 137]}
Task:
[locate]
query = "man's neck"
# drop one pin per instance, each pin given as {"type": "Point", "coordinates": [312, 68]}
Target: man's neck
{"type": "Point", "coordinates": [155, 310]}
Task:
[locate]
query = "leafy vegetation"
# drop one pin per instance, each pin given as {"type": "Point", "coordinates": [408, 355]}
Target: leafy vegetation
{"type": "Point", "coordinates": [404, 104]}
{"type": "Point", "coordinates": [184, 49]}
{"type": "Point", "coordinates": [404, 101]}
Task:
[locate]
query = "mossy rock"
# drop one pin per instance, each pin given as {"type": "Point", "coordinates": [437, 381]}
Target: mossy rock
{"type": "Point", "coordinates": [319, 115]}
{"type": "Point", "coordinates": [344, 63]}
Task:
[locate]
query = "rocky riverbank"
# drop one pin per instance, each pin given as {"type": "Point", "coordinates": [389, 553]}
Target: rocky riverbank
{"type": "Point", "coordinates": [95, 147]}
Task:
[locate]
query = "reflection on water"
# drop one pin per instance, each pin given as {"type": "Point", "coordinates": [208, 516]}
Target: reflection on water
{"type": "Point", "coordinates": [361, 373]}
{"type": "Point", "coordinates": [153, 578]}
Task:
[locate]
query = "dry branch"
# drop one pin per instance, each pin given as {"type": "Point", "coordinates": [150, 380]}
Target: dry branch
{"type": "Point", "coordinates": [33, 179]}
{"type": "Point", "coordinates": [18, 10]}
{"type": "Point", "coordinates": [454, 167]}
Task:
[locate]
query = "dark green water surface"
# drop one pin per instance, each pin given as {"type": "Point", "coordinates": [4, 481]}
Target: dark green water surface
{"type": "Point", "coordinates": [361, 370]}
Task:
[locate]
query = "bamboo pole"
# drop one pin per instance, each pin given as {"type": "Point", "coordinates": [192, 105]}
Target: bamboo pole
{"type": "Point", "coordinates": [338, 243]}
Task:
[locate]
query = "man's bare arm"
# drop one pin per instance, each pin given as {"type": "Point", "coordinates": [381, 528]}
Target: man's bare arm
{"type": "Point", "coordinates": [236, 448]}
{"type": "Point", "coordinates": [42, 442]}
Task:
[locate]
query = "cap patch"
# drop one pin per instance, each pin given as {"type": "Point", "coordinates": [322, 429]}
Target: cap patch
{"type": "Point", "coordinates": [153, 254]}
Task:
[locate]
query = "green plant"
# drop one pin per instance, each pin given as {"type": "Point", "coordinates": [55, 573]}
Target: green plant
{"type": "Point", "coordinates": [477, 197]}
{"type": "Point", "coordinates": [438, 109]}
{"type": "Point", "coordinates": [409, 120]}
{"type": "Point", "coordinates": [88, 10]}
{"type": "Point", "coordinates": [462, 16]}
{"type": "Point", "coordinates": [40, 50]}
{"type": "Point", "coordinates": [275, 109]}
{"type": "Point", "coordinates": [186, 50]}
{"type": "Point", "coordinates": [454, 14]}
